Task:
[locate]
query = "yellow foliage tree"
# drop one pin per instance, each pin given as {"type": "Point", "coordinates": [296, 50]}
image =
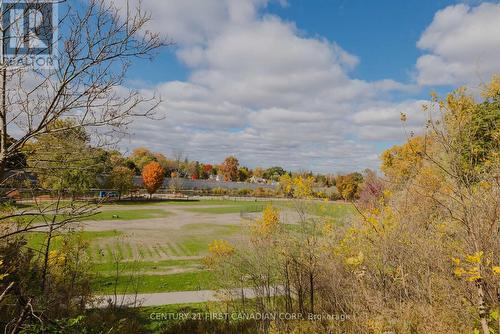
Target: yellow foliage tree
{"type": "Point", "coordinates": [218, 250]}
{"type": "Point", "coordinates": [286, 185]}
{"type": "Point", "coordinates": [303, 187]}
{"type": "Point", "coordinates": [269, 223]}
{"type": "Point", "coordinates": [399, 163]}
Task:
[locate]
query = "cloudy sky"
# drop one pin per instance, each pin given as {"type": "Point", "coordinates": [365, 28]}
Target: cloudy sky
{"type": "Point", "coordinates": [306, 84]}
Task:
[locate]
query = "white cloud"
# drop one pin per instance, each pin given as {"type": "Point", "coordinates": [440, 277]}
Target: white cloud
{"type": "Point", "coordinates": [265, 92]}
{"type": "Point", "coordinates": [191, 22]}
{"type": "Point", "coordinates": [462, 45]}
{"type": "Point", "coordinates": [378, 120]}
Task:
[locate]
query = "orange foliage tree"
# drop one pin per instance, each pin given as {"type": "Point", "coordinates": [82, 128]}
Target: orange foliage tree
{"type": "Point", "coordinates": [230, 169]}
{"type": "Point", "coordinates": [152, 175]}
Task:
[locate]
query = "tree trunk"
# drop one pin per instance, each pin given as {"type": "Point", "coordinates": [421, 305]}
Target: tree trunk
{"type": "Point", "coordinates": [46, 259]}
{"type": "Point", "coordinates": [482, 307]}
{"type": "Point", "coordinates": [288, 299]}
{"type": "Point", "coordinates": [3, 117]}
{"type": "Point", "coordinates": [311, 292]}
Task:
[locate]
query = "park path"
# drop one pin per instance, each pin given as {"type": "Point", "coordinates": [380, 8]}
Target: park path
{"type": "Point", "coordinates": [167, 298]}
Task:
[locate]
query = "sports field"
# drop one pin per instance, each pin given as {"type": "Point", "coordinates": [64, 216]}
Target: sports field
{"type": "Point", "coordinates": [158, 247]}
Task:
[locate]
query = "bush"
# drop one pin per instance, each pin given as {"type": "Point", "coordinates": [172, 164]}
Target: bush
{"type": "Point", "coordinates": [263, 192]}
{"type": "Point", "coordinates": [244, 192]}
{"type": "Point", "coordinates": [219, 191]}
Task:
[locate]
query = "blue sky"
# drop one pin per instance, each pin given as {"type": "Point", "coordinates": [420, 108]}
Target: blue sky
{"type": "Point", "coordinates": [315, 84]}
{"type": "Point", "coordinates": [398, 25]}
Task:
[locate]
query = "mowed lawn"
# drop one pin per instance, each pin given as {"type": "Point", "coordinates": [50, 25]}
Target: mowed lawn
{"type": "Point", "coordinates": [173, 262]}
{"type": "Point", "coordinates": [118, 214]}
{"type": "Point", "coordinates": [190, 240]}
{"type": "Point", "coordinates": [129, 214]}
{"type": "Point", "coordinates": [330, 209]}
{"type": "Point", "coordinates": [129, 284]}
{"type": "Point", "coordinates": [242, 208]}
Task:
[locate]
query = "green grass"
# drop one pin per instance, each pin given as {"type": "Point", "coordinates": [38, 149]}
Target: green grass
{"type": "Point", "coordinates": [188, 240]}
{"type": "Point", "coordinates": [193, 239]}
{"type": "Point", "coordinates": [190, 202]}
{"type": "Point", "coordinates": [104, 215]}
{"type": "Point", "coordinates": [229, 209]}
{"type": "Point", "coordinates": [37, 239]}
{"type": "Point", "coordinates": [129, 214]}
{"type": "Point", "coordinates": [148, 261]}
{"type": "Point", "coordinates": [128, 202]}
{"type": "Point", "coordinates": [329, 209]}
{"type": "Point", "coordinates": [332, 210]}
{"type": "Point", "coordinates": [188, 281]}
{"type": "Point", "coordinates": [107, 268]}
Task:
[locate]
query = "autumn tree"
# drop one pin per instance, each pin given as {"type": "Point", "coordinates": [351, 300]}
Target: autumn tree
{"type": "Point", "coordinates": [371, 191]}
{"type": "Point", "coordinates": [303, 187]}
{"type": "Point", "coordinates": [402, 162]}
{"type": "Point", "coordinates": [84, 91]}
{"type": "Point", "coordinates": [441, 203]}
{"type": "Point", "coordinates": [152, 176]}
{"type": "Point", "coordinates": [286, 185]}
{"type": "Point", "coordinates": [347, 185]}
{"type": "Point", "coordinates": [229, 169]}
{"type": "Point", "coordinates": [193, 169]}
{"type": "Point", "coordinates": [142, 156]}
{"type": "Point", "coordinates": [421, 255]}
{"type": "Point", "coordinates": [258, 172]}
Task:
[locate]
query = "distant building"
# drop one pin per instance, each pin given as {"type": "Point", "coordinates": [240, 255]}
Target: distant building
{"type": "Point", "coordinates": [257, 180]}
{"type": "Point", "coordinates": [217, 178]}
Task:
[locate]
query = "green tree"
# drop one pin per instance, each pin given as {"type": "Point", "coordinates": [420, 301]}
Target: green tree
{"type": "Point", "coordinates": [274, 173]}
{"type": "Point", "coordinates": [244, 174]}
{"type": "Point", "coordinates": [63, 159]}
{"type": "Point", "coordinates": [17, 160]}
{"type": "Point", "coordinates": [121, 179]}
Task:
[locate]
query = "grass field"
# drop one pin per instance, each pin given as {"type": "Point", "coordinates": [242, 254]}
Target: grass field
{"type": "Point", "coordinates": [37, 239]}
{"type": "Point", "coordinates": [187, 241]}
{"type": "Point", "coordinates": [129, 214]}
{"type": "Point", "coordinates": [252, 207]}
{"type": "Point", "coordinates": [166, 255]}
{"type": "Point", "coordinates": [126, 284]}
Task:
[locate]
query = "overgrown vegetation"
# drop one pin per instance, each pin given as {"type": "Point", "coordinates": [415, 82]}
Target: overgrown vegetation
{"type": "Point", "coordinates": [422, 254]}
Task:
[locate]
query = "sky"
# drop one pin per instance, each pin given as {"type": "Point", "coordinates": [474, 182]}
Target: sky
{"type": "Point", "coordinates": [305, 84]}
